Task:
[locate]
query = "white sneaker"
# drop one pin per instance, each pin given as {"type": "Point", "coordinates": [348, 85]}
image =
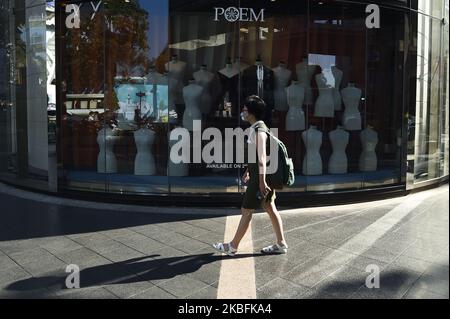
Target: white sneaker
{"type": "Point", "coordinates": [230, 251]}
{"type": "Point", "coordinates": [275, 249]}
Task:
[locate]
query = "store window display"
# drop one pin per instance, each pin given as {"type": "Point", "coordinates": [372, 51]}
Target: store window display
{"type": "Point", "coordinates": [315, 65]}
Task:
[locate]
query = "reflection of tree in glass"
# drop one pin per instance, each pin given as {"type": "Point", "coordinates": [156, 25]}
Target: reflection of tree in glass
{"type": "Point", "coordinates": [115, 37]}
{"type": "Point", "coordinates": [127, 42]}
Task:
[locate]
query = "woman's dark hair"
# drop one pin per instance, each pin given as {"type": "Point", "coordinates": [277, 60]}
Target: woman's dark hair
{"type": "Point", "coordinates": [256, 106]}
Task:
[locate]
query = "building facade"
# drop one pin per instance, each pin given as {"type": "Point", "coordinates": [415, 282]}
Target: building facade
{"type": "Point", "coordinates": [92, 93]}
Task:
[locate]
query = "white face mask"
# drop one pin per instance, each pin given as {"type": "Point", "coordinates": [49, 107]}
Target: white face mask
{"type": "Point", "coordinates": [243, 117]}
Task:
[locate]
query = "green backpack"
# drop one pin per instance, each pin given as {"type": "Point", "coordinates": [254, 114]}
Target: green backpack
{"type": "Point", "coordinates": [284, 176]}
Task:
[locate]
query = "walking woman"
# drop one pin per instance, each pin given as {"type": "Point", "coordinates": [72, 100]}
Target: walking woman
{"type": "Point", "coordinates": [258, 194]}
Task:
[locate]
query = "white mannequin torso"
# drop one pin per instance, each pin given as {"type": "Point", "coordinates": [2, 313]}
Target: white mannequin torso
{"type": "Point", "coordinates": [305, 73]}
{"type": "Point", "coordinates": [192, 95]}
{"type": "Point", "coordinates": [312, 163]}
{"type": "Point", "coordinates": [205, 79]}
{"type": "Point", "coordinates": [282, 76]}
{"type": "Point", "coordinates": [368, 160]}
{"type": "Point", "coordinates": [325, 104]}
{"type": "Point", "coordinates": [351, 96]}
{"type": "Point", "coordinates": [295, 118]}
{"type": "Point", "coordinates": [106, 161]}
{"type": "Point", "coordinates": [144, 163]}
{"type": "Point", "coordinates": [338, 162]}
{"type": "Point", "coordinates": [338, 75]}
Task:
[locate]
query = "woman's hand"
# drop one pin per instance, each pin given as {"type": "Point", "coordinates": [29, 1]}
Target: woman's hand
{"type": "Point", "coordinates": [246, 177]}
{"type": "Point", "coordinates": [264, 189]}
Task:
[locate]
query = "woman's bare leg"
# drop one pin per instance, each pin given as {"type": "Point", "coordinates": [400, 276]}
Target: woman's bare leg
{"type": "Point", "coordinates": [243, 226]}
{"type": "Point", "coordinates": [277, 223]}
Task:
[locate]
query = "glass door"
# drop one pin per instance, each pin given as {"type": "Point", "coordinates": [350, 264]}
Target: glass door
{"type": "Point", "coordinates": [7, 95]}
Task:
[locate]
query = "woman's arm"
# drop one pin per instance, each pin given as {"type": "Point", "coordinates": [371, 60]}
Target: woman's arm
{"type": "Point", "coordinates": [261, 141]}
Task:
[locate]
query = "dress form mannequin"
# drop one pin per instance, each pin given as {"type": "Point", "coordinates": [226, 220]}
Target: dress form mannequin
{"type": "Point", "coordinates": [179, 169]}
{"type": "Point", "coordinates": [325, 102]}
{"type": "Point", "coordinates": [305, 73]}
{"type": "Point", "coordinates": [192, 95]}
{"type": "Point", "coordinates": [338, 74]}
{"type": "Point", "coordinates": [351, 96]}
{"type": "Point", "coordinates": [312, 163]}
{"type": "Point", "coordinates": [369, 140]}
{"type": "Point", "coordinates": [106, 161]}
{"type": "Point", "coordinates": [295, 118]}
{"type": "Point", "coordinates": [144, 163]}
{"type": "Point", "coordinates": [282, 77]}
{"type": "Point", "coordinates": [176, 72]}
{"type": "Point", "coordinates": [205, 79]}
{"type": "Point", "coordinates": [338, 163]}
{"type": "Point", "coordinates": [229, 82]}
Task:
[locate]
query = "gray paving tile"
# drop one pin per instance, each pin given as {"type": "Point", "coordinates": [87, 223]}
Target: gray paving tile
{"type": "Point", "coordinates": [208, 274]}
{"type": "Point", "coordinates": [426, 255]}
{"type": "Point", "coordinates": [154, 293]}
{"type": "Point", "coordinates": [83, 257]}
{"type": "Point", "coordinates": [266, 271]}
{"type": "Point", "coordinates": [280, 289]}
{"type": "Point", "coordinates": [121, 232]}
{"type": "Point", "coordinates": [41, 266]}
{"type": "Point", "coordinates": [143, 245]}
{"type": "Point", "coordinates": [169, 237]}
{"type": "Point", "coordinates": [182, 286]}
{"type": "Point", "coordinates": [410, 263]}
{"type": "Point", "coordinates": [12, 274]}
{"type": "Point", "coordinates": [192, 232]}
{"type": "Point", "coordinates": [419, 293]}
{"type": "Point", "coordinates": [60, 245]}
{"type": "Point", "coordinates": [85, 293]}
{"type": "Point", "coordinates": [313, 293]}
{"type": "Point", "coordinates": [208, 292]}
{"type": "Point", "coordinates": [29, 294]}
{"type": "Point", "coordinates": [343, 283]}
{"type": "Point", "coordinates": [436, 280]}
{"type": "Point", "coordinates": [129, 290]}
{"type": "Point", "coordinates": [379, 254]}
{"type": "Point", "coordinates": [361, 263]}
{"type": "Point", "coordinates": [211, 237]}
{"type": "Point", "coordinates": [317, 269]}
{"type": "Point", "coordinates": [30, 255]}
{"type": "Point", "coordinates": [6, 262]}
{"type": "Point", "coordinates": [190, 246]}
{"type": "Point", "coordinates": [208, 224]}
{"type": "Point", "coordinates": [122, 254]}
{"type": "Point", "coordinates": [17, 246]}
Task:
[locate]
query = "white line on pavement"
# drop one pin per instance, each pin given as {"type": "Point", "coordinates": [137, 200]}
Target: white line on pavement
{"type": "Point", "coordinates": [237, 274]}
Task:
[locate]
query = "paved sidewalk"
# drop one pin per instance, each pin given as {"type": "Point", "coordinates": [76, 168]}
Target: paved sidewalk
{"type": "Point", "coordinates": [127, 253]}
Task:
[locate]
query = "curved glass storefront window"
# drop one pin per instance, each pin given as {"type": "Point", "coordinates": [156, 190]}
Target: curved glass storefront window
{"type": "Point", "coordinates": [108, 96]}
{"type": "Point", "coordinates": [27, 96]}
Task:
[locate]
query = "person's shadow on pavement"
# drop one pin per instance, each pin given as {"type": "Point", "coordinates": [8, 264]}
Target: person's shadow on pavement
{"type": "Point", "coordinates": [148, 268]}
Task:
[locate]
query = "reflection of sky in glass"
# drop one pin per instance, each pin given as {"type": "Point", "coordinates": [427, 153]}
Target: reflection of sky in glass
{"type": "Point", "coordinates": [159, 24]}
{"type": "Point", "coordinates": [325, 62]}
